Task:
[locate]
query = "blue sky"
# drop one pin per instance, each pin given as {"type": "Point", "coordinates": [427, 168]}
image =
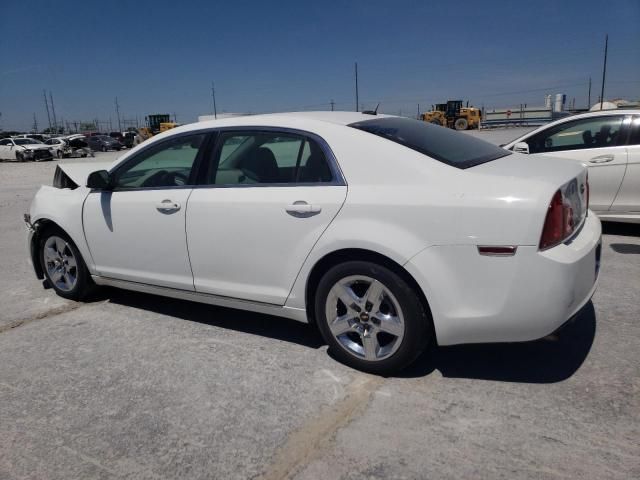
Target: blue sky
{"type": "Point", "coordinates": [161, 56]}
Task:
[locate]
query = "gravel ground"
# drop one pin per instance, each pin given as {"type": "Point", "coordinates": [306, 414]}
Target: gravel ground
{"type": "Point", "coordinates": [137, 386]}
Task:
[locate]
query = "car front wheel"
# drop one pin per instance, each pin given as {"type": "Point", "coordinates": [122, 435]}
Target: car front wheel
{"type": "Point", "coordinates": [371, 318]}
{"type": "Point", "coordinates": [63, 265]}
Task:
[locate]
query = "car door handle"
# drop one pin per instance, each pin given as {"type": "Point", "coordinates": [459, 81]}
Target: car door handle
{"type": "Point", "coordinates": [601, 159]}
{"type": "Point", "coordinates": [301, 208]}
{"type": "Point", "coordinates": [167, 206]}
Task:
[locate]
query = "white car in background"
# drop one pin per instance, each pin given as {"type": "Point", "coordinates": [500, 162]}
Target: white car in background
{"type": "Point", "coordinates": [59, 147]}
{"type": "Point", "coordinates": [608, 142]}
{"type": "Point", "coordinates": [24, 149]}
{"type": "Point", "coordinates": [389, 234]}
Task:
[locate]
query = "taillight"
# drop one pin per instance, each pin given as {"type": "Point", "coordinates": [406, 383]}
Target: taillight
{"type": "Point", "coordinates": [559, 223]}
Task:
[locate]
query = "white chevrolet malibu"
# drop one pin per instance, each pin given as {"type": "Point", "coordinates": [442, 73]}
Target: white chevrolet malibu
{"type": "Point", "coordinates": [389, 234]}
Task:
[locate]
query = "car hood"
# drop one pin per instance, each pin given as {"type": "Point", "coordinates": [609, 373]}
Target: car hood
{"type": "Point", "coordinates": [79, 172]}
{"type": "Point", "coordinates": [35, 147]}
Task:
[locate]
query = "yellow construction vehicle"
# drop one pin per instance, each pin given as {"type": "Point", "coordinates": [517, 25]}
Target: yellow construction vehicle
{"type": "Point", "coordinates": [164, 126]}
{"type": "Point", "coordinates": [453, 115]}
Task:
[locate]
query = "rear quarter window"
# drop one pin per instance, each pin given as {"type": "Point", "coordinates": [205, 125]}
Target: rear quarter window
{"type": "Point", "coordinates": [457, 149]}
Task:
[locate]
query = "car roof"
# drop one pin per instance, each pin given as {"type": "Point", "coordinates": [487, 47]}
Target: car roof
{"type": "Point", "coordinates": [597, 113]}
{"type": "Point", "coordinates": [285, 119]}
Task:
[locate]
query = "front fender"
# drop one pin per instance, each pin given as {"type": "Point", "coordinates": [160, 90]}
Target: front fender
{"type": "Point", "coordinates": [62, 207]}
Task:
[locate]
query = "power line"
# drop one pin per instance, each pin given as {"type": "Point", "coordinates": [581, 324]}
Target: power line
{"type": "Point", "coordinates": [46, 104]}
{"type": "Point", "coordinates": [213, 94]}
{"type": "Point", "coordinates": [118, 114]}
{"type": "Point", "coordinates": [357, 87]}
{"type": "Point", "coordinates": [604, 69]}
{"type": "Point", "coordinates": [53, 111]}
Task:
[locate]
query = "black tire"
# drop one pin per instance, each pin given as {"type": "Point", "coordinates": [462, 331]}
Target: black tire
{"type": "Point", "coordinates": [59, 154]}
{"type": "Point", "coordinates": [19, 157]}
{"type": "Point", "coordinates": [84, 285]}
{"type": "Point", "coordinates": [104, 149]}
{"type": "Point", "coordinates": [435, 122]}
{"type": "Point", "coordinates": [417, 321]}
{"type": "Point", "coordinates": [461, 124]}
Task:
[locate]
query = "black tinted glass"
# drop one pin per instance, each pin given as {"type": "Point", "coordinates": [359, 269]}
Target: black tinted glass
{"type": "Point", "coordinates": [448, 146]}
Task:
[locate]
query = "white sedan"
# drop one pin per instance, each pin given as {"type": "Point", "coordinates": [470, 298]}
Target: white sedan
{"type": "Point", "coordinates": [59, 147]}
{"type": "Point", "coordinates": [389, 234]}
{"type": "Point", "coordinates": [608, 142]}
{"type": "Point", "coordinates": [24, 149]}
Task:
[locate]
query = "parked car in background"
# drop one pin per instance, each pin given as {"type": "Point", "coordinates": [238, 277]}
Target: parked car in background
{"type": "Point", "coordinates": [103, 143]}
{"type": "Point", "coordinates": [59, 147]}
{"type": "Point", "coordinates": [36, 136]}
{"type": "Point", "coordinates": [79, 145]}
{"type": "Point", "coordinates": [608, 143]}
{"type": "Point", "coordinates": [128, 139]}
{"type": "Point", "coordinates": [24, 149]}
{"type": "Point", "coordinates": [439, 238]}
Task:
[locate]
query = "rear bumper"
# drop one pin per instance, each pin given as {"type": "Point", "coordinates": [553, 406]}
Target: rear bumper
{"type": "Point", "coordinates": [478, 299]}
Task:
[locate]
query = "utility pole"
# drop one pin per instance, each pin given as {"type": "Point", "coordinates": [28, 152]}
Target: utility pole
{"type": "Point", "coordinates": [604, 69]}
{"type": "Point", "coordinates": [53, 111]}
{"type": "Point", "coordinates": [46, 104]}
{"type": "Point", "coordinates": [589, 96]}
{"type": "Point", "coordinates": [418, 116]}
{"type": "Point", "coordinates": [332, 104]}
{"type": "Point", "coordinates": [35, 123]}
{"type": "Point", "coordinates": [357, 100]}
{"type": "Point", "coordinates": [118, 114]}
{"type": "Point", "coordinates": [213, 94]}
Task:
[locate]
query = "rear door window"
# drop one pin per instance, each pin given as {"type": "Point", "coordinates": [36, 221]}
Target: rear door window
{"type": "Point", "coordinates": [245, 158]}
{"type": "Point", "coordinates": [457, 149]}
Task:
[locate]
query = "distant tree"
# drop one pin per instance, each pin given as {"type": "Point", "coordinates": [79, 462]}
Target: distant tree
{"type": "Point", "coordinates": [52, 130]}
{"type": "Point", "coordinates": [88, 126]}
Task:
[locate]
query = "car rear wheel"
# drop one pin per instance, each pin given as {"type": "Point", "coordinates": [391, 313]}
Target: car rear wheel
{"type": "Point", "coordinates": [63, 265]}
{"type": "Point", "coordinates": [59, 154]}
{"type": "Point", "coordinates": [371, 318]}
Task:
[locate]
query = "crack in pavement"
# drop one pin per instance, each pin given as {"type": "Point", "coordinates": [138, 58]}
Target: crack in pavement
{"type": "Point", "coordinates": [315, 437]}
{"type": "Point", "coordinates": [42, 315]}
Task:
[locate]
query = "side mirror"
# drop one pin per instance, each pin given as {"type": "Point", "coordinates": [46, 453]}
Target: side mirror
{"type": "Point", "coordinates": [99, 180]}
{"type": "Point", "coordinates": [521, 147]}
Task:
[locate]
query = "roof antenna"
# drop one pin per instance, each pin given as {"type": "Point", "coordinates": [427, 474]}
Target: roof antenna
{"type": "Point", "coordinates": [372, 112]}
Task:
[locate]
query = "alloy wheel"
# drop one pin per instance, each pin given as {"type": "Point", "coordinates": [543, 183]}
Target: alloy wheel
{"type": "Point", "coordinates": [60, 263]}
{"type": "Point", "coordinates": [365, 317]}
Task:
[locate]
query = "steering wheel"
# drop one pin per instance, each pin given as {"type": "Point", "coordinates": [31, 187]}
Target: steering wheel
{"type": "Point", "coordinates": [178, 179]}
{"type": "Point", "coordinates": [154, 180]}
{"type": "Point", "coordinates": [163, 178]}
{"type": "Point", "coordinates": [250, 175]}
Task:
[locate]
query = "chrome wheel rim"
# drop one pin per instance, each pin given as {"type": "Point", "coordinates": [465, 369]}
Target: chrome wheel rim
{"type": "Point", "coordinates": [365, 318]}
{"type": "Point", "coordinates": [60, 263]}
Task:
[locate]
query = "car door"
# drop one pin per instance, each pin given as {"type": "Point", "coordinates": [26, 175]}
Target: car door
{"type": "Point", "coordinates": [598, 142]}
{"type": "Point", "coordinates": [267, 198]}
{"type": "Point", "coordinates": [136, 231]}
{"type": "Point", "coordinates": [628, 198]}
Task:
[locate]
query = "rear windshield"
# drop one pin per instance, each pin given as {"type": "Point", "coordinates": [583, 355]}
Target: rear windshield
{"type": "Point", "coordinates": [448, 146]}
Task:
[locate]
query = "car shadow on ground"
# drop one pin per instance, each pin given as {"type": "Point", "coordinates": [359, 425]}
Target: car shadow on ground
{"type": "Point", "coordinates": [621, 229]}
{"type": "Point", "coordinates": [237, 320]}
{"type": "Point", "coordinates": [549, 360]}
{"type": "Point", "coordinates": [552, 359]}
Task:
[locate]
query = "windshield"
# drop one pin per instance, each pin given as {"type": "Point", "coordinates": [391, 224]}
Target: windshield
{"type": "Point", "coordinates": [448, 146]}
{"type": "Point", "coordinates": [26, 141]}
